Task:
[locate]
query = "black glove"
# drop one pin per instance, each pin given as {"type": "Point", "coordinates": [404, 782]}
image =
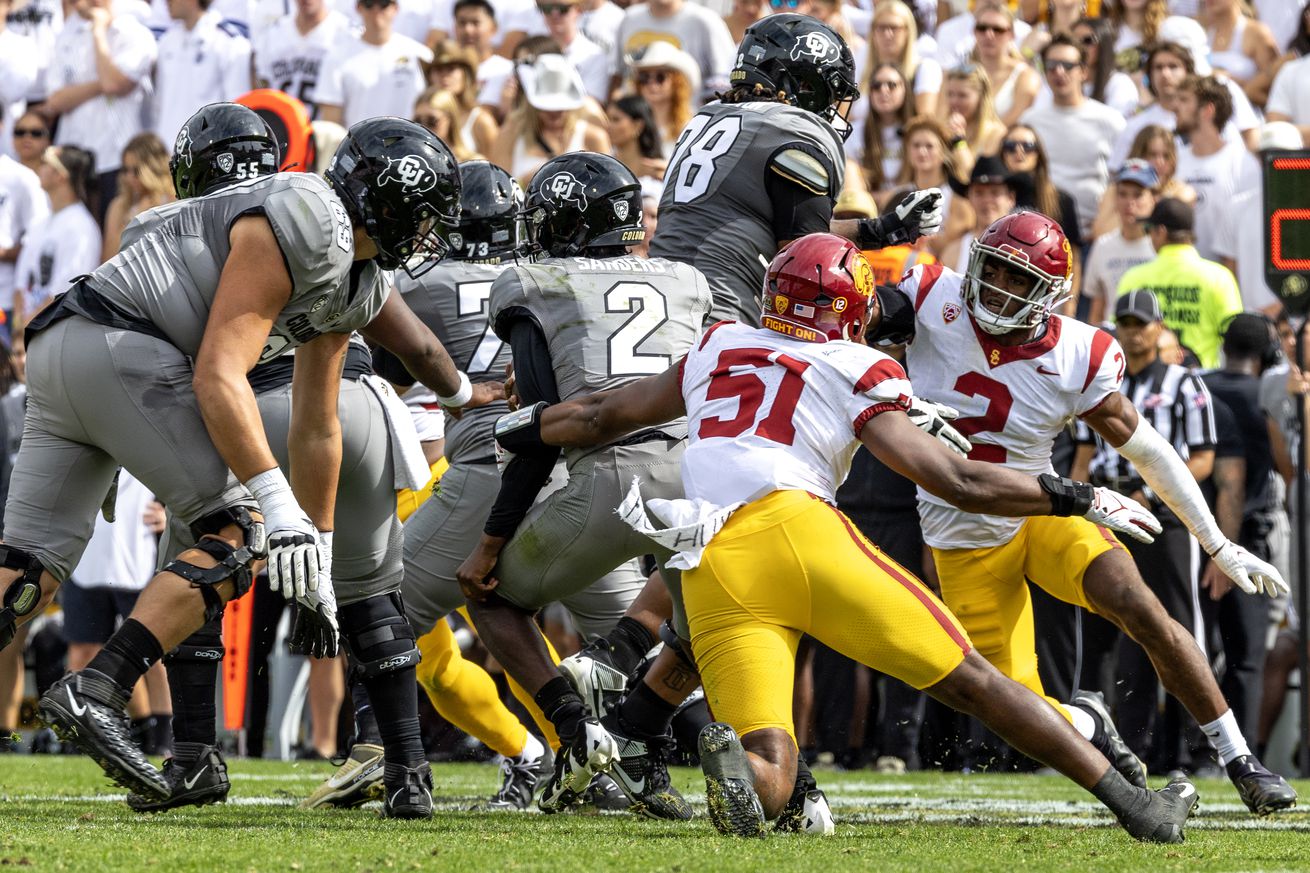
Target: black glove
{"type": "Point", "coordinates": [313, 634]}
{"type": "Point", "coordinates": [919, 213]}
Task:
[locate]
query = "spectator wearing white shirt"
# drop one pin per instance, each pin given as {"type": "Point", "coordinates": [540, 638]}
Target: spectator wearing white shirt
{"type": "Point", "coordinates": [1075, 130]}
{"type": "Point", "coordinates": [201, 61]}
{"type": "Point", "coordinates": [1104, 83]}
{"type": "Point", "coordinates": [19, 63]}
{"type": "Point", "coordinates": [955, 39]}
{"type": "Point", "coordinates": [562, 25]}
{"type": "Point", "coordinates": [41, 21]}
{"type": "Point", "coordinates": [23, 205]}
{"type": "Point", "coordinates": [379, 73]}
{"type": "Point", "coordinates": [600, 23]}
{"type": "Point", "coordinates": [1214, 168]}
{"type": "Point", "coordinates": [100, 85]}
{"type": "Point", "coordinates": [475, 28]}
{"type": "Point", "coordinates": [689, 26]}
{"type": "Point", "coordinates": [289, 54]}
{"type": "Point", "coordinates": [68, 242]}
{"type": "Point", "coordinates": [1289, 96]}
{"type": "Point", "coordinates": [413, 18]}
{"type": "Point", "coordinates": [1282, 17]}
{"type": "Point", "coordinates": [1136, 188]}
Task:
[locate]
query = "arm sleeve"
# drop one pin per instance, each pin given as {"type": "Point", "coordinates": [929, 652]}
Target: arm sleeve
{"type": "Point", "coordinates": [526, 473]}
{"type": "Point", "coordinates": [1161, 468]}
{"type": "Point", "coordinates": [797, 210]}
{"type": "Point", "coordinates": [390, 367]}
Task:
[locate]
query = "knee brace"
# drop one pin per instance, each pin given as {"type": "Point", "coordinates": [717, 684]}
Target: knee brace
{"type": "Point", "coordinates": [233, 563]}
{"type": "Point", "coordinates": [680, 647]}
{"type": "Point", "coordinates": [205, 646]}
{"type": "Point", "coordinates": [379, 636]}
{"type": "Point", "coordinates": [23, 595]}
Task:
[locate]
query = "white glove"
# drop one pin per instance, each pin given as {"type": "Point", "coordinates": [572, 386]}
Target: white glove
{"type": "Point", "coordinates": [1123, 515]}
{"type": "Point", "coordinates": [921, 210]}
{"type": "Point", "coordinates": [933, 419]}
{"type": "Point", "coordinates": [292, 538]}
{"type": "Point", "coordinates": [1248, 572]}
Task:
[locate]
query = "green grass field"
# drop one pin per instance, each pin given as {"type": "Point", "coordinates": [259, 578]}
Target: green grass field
{"type": "Point", "coordinates": [58, 813]}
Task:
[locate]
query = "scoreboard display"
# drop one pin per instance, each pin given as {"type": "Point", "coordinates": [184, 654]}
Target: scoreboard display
{"type": "Point", "coordinates": [1287, 222]}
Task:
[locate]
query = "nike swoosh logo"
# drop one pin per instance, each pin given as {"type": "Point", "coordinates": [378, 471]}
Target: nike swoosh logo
{"type": "Point", "coordinates": [72, 704]}
{"type": "Point", "coordinates": [191, 783]}
{"type": "Point", "coordinates": [1046, 372]}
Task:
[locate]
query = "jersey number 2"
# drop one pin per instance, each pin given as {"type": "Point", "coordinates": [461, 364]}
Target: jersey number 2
{"type": "Point", "coordinates": [748, 388]}
{"type": "Point", "coordinates": [999, 402]}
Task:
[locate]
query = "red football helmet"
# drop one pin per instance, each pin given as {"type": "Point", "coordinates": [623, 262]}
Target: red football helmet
{"type": "Point", "coordinates": [817, 289]}
{"type": "Point", "coordinates": [1029, 243]}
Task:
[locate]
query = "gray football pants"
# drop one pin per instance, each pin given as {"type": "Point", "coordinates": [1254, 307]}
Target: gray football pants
{"type": "Point", "coordinates": [98, 398]}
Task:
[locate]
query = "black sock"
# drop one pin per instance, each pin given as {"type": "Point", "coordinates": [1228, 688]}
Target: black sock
{"type": "Point", "coordinates": [141, 728]}
{"type": "Point", "coordinates": [395, 707]}
{"type": "Point", "coordinates": [562, 706]}
{"type": "Point", "coordinates": [629, 643]}
{"type": "Point", "coordinates": [645, 713]}
{"type": "Point", "coordinates": [130, 652]}
{"type": "Point", "coordinates": [1120, 796]}
{"type": "Point", "coordinates": [366, 719]}
{"type": "Point", "coordinates": [161, 735]}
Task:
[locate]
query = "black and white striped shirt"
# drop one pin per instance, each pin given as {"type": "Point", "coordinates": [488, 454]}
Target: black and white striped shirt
{"type": "Point", "coordinates": [1177, 405]}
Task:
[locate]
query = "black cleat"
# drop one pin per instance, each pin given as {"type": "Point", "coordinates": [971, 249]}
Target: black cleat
{"type": "Point", "coordinates": [730, 794]}
{"type": "Point", "coordinates": [605, 795]}
{"type": "Point", "coordinates": [807, 810]}
{"type": "Point", "coordinates": [1263, 792]}
{"type": "Point", "coordinates": [1162, 818]}
{"type": "Point", "coordinates": [642, 772]}
{"type": "Point", "coordinates": [197, 776]}
{"type": "Point", "coordinates": [88, 709]}
{"type": "Point", "coordinates": [519, 778]}
{"type": "Point", "coordinates": [1107, 739]}
{"type": "Point", "coordinates": [408, 791]}
{"type": "Point", "coordinates": [592, 751]}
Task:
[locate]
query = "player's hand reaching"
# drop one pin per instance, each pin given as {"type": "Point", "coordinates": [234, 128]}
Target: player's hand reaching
{"type": "Point", "coordinates": [934, 419]}
{"type": "Point", "coordinates": [474, 575]}
{"type": "Point", "coordinates": [1248, 572]}
{"type": "Point", "coordinates": [1123, 515]}
{"type": "Point", "coordinates": [918, 214]}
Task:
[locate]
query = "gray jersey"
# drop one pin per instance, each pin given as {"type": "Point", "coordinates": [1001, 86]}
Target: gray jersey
{"type": "Point", "coordinates": [172, 257]}
{"type": "Point", "coordinates": [715, 213]}
{"type": "Point", "coordinates": [451, 299]}
{"type": "Point", "coordinates": [607, 321]}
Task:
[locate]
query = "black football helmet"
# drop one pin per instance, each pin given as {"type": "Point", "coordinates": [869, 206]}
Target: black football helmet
{"type": "Point", "coordinates": [580, 202]}
{"type": "Point", "coordinates": [490, 220]}
{"type": "Point", "coordinates": [400, 183]}
{"type": "Point", "coordinates": [802, 59]}
{"type": "Point", "coordinates": [221, 144]}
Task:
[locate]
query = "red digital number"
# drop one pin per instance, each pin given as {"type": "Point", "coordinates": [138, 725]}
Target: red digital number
{"type": "Point", "coordinates": [999, 403]}
{"type": "Point", "coordinates": [748, 388]}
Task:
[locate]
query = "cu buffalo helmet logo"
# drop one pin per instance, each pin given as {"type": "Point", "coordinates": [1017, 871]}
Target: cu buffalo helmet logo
{"type": "Point", "coordinates": [412, 172]}
{"type": "Point", "coordinates": [816, 46]}
{"type": "Point", "coordinates": [182, 148]}
{"type": "Point", "coordinates": [562, 188]}
{"type": "Point", "coordinates": [225, 162]}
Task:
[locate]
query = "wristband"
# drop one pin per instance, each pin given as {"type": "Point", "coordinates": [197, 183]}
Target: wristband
{"type": "Point", "coordinates": [1068, 497]}
{"type": "Point", "coordinates": [870, 234]}
{"type": "Point", "coordinates": [520, 431]}
{"type": "Point", "coordinates": [462, 396]}
{"type": "Point", "coordinates": [276, 500]}
{"type": "Point", "coordinates": [267, 484]}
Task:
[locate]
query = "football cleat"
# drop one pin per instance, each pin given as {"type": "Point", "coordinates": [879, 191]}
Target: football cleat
{"type": "Point", "coordinates": [519, 778]}
{"type": "Point", "coordinates": [1161, 820]}
{"type": "Point", "coordinates": [196, 775]}
{"type": "Point", "coordinates": [88, 709]}
{"type": "Point", "coordinates": [807, 810]}
{"type": "Point", "coordinates": [408, 791]}
{"type": "Point", "coordinates": [604, 795]}
{"type": "Point", "coordinates": [1107, 740]}
{"type": "Point", "coordinates": [642, 773]}
{"type": "Point", "coordinates": [729, 783]}
{"type": "Point", "coordinates": [357, 781]}
{"type": "Point", "coordinates": [593, 675]}
{"type": "Point", "coordinates": [1262, 791]}
{"type": "Point", "coordinates": [592, 751]}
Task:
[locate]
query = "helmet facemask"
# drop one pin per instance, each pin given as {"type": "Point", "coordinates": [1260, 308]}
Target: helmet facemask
{"type": "Point", "coordinates": [1009, 310]}
{"type": "Point", "coordinates": [415, 243]}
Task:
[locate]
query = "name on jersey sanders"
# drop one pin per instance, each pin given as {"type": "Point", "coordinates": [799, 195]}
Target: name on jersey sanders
{"type": "Point", "coordinates": [627, 264]}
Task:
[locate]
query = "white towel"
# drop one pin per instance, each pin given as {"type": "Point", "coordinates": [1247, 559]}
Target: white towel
{"type": "Point", "coordinates": [691, 524]}
{"type": "Point", "coordinates": [411, 468]}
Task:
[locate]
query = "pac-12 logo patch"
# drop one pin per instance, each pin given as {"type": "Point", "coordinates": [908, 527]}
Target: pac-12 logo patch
{"type": "Point", "coordinates": [412, 172]}
{"type": "Point", "coordinates": [950, 312]}
{"type": "Point", "coordinates": [225, 162]}
{"type": "Point", "coordinates": [621, 210]}
{"type": "Point", "coordinates": [817, 46]}
{"type": "Point", "coordinates": [564, 188]}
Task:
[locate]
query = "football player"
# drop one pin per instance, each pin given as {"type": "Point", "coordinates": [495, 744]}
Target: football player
{"type": "Point", "coordinates": [989, 344]}
{"type": "Point", "coordinates": [775, 415]}
{"type": "Point", "coordinates": [586, 317]}
{"type": "Point", "coordinates": [764, 165]}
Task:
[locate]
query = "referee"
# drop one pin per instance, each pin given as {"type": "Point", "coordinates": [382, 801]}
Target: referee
{"type": "Point", "coordinates": [1178, 405]}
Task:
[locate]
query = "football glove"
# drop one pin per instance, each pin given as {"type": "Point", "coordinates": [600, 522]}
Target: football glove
{"type": "Point", "coordinates": [934, 419]}
{"type": "Point", "coordinates": [1123, 515]}
{"type": "Point", "coordinates": [1248, 572]}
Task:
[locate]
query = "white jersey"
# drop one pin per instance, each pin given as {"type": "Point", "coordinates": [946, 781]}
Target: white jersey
{"type": "Point", "coordinates": [768, 413]}
{"type": "Point", "coordinates": [121, 553]}
{"type": "Point", "coordinates": [291, 61]}
{"type": "Point", "coordinates": [425, 410]}
{"type": "Point", "coordinates": [1013, 400]}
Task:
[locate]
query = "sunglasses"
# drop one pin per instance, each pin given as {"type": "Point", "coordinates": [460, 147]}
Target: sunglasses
{"type": "Point", "coordinates": [1018, 145]}
{"type": "Point", "coordinates": [380, 4]}
{"type": "Point", "coordinates": [652, 77]}
{"type": "Point", "coordinates": [993, 29]}
{"type": "Point", "coordinates": [884, 85]}
{"type": "Point", "coordinates": [428, 121]}
{"type": "Point", "coordinates": [1063, 66]}
{"type": "Point", "coordinates": [33, 132]}
{"type": "Point", "coordinates": [784, 4]}
{"type": "Point", "coordinates": [554, 8]}
{"type": "Point", "coordinates": [889, 28]}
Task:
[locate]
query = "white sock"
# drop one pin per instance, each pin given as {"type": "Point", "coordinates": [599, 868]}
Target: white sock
{"type": "Point", "coordinates": [1082, 720]}
{"type": "Point", "coordinates": [532, 748]}
{"type": "Point", "coordinates": [1226, 737]}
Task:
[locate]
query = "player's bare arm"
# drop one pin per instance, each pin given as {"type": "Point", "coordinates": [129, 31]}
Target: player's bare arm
{"type": "Point", "coordinates": [252, 291]}
{"type": "Point", "coordinates": [606, 416]}
{"type": "Point", "coordinates": [315, 435]}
